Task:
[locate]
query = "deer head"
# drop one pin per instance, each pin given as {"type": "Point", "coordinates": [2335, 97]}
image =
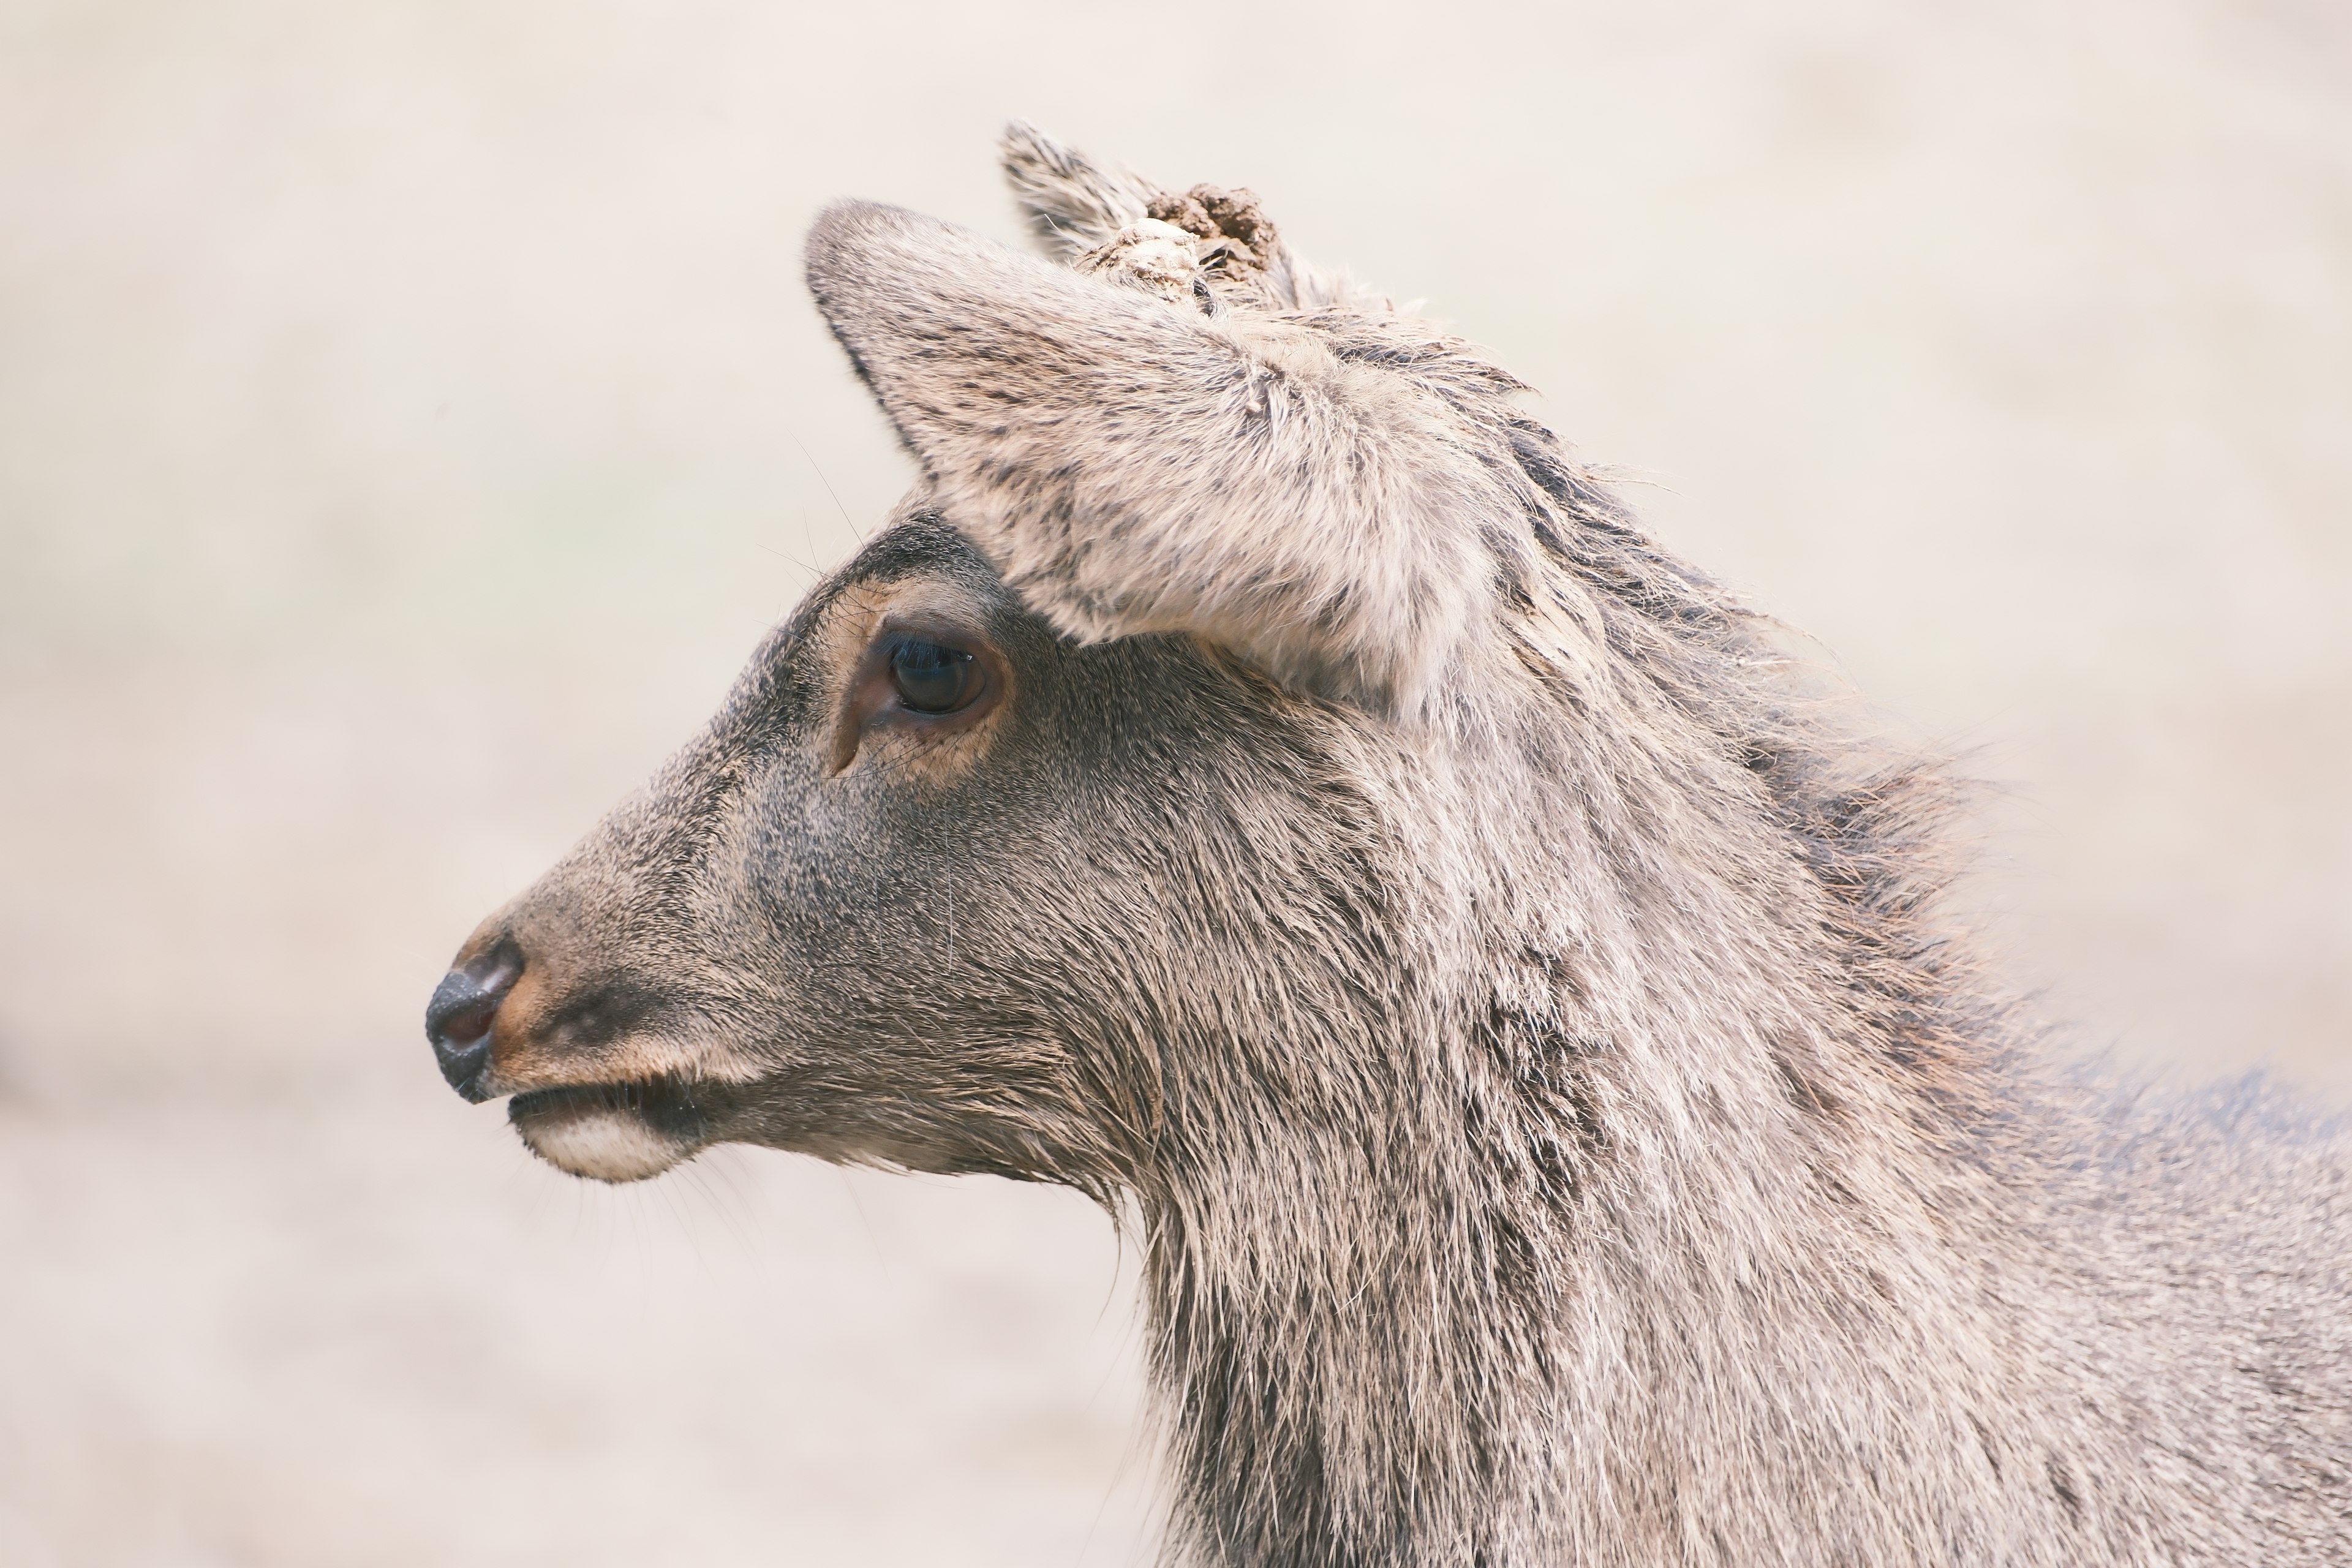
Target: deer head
{"type": "Point", "coordinates": [1067, 804]}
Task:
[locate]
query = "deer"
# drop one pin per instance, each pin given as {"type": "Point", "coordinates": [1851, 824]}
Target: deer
{"type": "Point", "coordinates": [1262, 780]}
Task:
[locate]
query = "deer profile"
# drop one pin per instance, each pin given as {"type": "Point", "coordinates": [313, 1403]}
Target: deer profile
{"type": "Point", "coordinates": [1261, 780]}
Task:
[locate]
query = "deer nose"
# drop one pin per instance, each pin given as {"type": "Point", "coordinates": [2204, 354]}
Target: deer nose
{"type": "Point", "coordinates": [464, 1007]}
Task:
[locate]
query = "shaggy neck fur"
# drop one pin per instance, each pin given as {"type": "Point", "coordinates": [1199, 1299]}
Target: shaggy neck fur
{"type": "Point", "coordinates": [1681, 1205]}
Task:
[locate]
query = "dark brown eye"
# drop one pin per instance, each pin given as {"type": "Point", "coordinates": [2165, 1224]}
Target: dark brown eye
{"type": "Point", "coordinates": [931, 678]}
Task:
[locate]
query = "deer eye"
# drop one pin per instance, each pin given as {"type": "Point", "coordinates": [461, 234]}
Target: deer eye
{"type": "Point", "coordinates": [931, 678]}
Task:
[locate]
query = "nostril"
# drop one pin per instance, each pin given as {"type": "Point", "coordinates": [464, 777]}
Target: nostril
{"type": "Point", "coordinates": [467, 1025]}
{"type": "Point", "coordinates": [465, 1004]}
{"type": "Point", "coordinates": [463, 1008]}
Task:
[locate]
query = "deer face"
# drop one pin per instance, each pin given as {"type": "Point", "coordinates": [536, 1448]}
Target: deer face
{"type": "Point", "coordinates": [1049, 816]}
{"type": "Point", "coordinates": [912, 897]}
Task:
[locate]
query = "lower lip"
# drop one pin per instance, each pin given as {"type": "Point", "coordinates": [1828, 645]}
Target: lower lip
{"type": "Point", "coordinates": [613, 1132]}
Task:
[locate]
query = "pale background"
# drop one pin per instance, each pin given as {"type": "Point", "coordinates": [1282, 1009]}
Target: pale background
{"type": "Point", "coordinates": [410, 414]}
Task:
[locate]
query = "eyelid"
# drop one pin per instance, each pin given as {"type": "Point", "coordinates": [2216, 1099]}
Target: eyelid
{"type": "Point", "coordinates": [922, 628]}
{"type": "Point", "coordinates": [900, 644]}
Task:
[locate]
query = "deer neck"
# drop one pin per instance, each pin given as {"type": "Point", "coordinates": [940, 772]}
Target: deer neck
{"type": "Point", "coordinates": [1484, 1323]}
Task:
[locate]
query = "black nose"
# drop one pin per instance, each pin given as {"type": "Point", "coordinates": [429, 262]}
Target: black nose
{"type": "Point", "coordinates": [464, 1006]}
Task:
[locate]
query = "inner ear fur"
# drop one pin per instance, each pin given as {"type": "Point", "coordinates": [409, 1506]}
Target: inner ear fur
{"type": "Point", "coordinates": [1131, 465]}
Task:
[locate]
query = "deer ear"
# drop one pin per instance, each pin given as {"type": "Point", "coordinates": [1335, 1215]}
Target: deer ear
{"type": "Point", "coordinates": [1132, 465]}
{"type": "Point", "coordinates": [1073, 203]}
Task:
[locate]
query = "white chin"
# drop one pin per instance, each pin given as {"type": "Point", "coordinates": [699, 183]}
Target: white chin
{"type": "Point", "coordinates": [603, 1145]}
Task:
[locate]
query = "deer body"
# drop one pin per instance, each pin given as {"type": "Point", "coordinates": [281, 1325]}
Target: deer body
{"type": "Point", "coordinates": [1262, 782]}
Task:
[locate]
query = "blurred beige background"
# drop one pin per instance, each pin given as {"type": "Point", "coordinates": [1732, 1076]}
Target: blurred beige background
{"type": "Point", "coordinates": [409, 416]}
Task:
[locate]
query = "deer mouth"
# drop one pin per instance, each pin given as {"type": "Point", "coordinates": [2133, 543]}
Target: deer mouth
{"type": "Point", "coordinates": [613, 1132]}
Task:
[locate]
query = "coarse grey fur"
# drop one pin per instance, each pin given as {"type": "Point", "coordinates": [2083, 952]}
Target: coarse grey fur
{"type": "Point", "coordinates": [1502, 987]}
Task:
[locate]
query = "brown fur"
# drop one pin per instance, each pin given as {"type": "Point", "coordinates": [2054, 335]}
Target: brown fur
{"type": "Point", "coordinates": [1507, 995]}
